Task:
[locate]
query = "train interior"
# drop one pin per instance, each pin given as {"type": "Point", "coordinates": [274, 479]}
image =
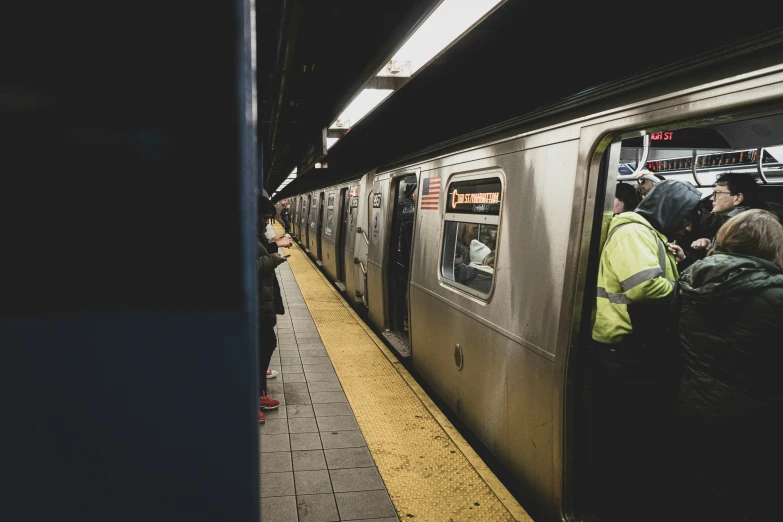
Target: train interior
{"type": "Point", "coordinates": [400, 250]}
{"type": "Point", "coordinates": [697, 154]}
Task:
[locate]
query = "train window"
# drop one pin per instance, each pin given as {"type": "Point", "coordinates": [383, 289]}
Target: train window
{"type": "Point", "coordinates": [470, 234]}
{"type": "Point", "coordinates": [329, 213]}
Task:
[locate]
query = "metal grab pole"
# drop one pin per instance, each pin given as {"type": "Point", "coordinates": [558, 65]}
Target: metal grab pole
{"type": "Point", "coordinates": [645, 153]}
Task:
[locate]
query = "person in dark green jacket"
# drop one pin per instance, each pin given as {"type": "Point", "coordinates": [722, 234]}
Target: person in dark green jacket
{"type": "Point", "coordinates": [731, 395]}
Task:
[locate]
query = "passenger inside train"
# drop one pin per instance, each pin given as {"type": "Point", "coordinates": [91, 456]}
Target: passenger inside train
{"type": "Point", "coordinates": [474, 260]}
{"type": "Point", "coordinates": [730, 396]}
{"type": "Point", "coordinates": [471, 233]}
{"type": "Point", "coordinates": [683, 395]}
{"type": "Point", "coordinates": [646, 180]}
{"type": "Point", "coordinates": [626, 198]}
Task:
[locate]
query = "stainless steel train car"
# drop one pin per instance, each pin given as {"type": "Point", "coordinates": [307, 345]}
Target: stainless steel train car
{"type": "Point", "coordinates": [505, 348]}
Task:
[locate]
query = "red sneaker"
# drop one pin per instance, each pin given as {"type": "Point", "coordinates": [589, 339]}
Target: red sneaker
{"type": "Point", "coordinates": [271, 374]}
{"type": "Point", "coordinates": [261, 417]}
{"type": "Point", "coordinates": [265, 403]}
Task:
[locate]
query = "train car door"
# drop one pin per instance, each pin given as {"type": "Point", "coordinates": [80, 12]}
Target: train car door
{"type": "Point", "coordinates": [404, 191]}
{"type": "Point", "coordinates": [319, 230]}
{"type": "Point", "coordinates": [300, 232]}
{"type": "Point", "coordinates": [345, 207]}
{"type": "Point", "coordinates": [306, 224]}
{"type": "Point", "coordinates": [295, 218]}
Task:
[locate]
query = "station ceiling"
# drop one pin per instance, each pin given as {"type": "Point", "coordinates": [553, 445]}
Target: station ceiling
{"type": "Point", "coordinates": [313, 55]}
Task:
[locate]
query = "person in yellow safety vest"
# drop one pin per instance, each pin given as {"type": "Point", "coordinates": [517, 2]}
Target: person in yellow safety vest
{"type": "Point", "coordinates": [636, 375]}
{"type": "Point", "coordinates": [638, 262]}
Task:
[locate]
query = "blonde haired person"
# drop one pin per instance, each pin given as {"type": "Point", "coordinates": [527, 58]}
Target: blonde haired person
{"type": "Point", "coordinates": [731, 394]}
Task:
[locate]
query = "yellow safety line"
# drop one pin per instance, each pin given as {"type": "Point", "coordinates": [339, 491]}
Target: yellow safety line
{"type": "Point", "coordinates": [457, 496]}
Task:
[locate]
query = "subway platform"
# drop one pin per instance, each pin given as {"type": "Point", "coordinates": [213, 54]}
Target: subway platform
{"type": "Point", "coordinates": [355, 437]}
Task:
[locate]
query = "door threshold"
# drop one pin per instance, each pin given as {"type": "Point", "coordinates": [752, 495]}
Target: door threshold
{"type": "Point", "coordinates": [398, 344]}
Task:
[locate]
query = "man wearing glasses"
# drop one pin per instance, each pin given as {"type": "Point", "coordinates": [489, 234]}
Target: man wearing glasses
{"type": "Point", "coordinates": [734, 193]}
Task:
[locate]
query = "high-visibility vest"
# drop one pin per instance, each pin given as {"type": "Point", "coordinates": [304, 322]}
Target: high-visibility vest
{"type": "Point", "coordinates": [635, 266]}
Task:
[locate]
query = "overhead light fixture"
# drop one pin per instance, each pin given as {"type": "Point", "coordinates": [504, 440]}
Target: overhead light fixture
{"type": "Point", "coordinates": [317, 165]}
{"type": "Point", "coordinates": [362, 104]}
{"type": "Point", "coordinates": [449, 21]}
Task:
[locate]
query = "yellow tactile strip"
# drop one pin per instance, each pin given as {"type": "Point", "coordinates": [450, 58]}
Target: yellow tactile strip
{"type": "Point", "coordinates": [430, 471]}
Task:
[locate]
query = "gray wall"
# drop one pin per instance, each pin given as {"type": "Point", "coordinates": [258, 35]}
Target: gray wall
{"type": "Point", "coordinates": [128, 365]}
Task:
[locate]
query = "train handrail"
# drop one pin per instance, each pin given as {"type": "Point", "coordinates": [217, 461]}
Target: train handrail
{"type": "Point", "coordinates": [693, 168]}
{"type": "Point", "coordinates": [760, 166]}
{"type": "Point", "coordinates": [645, 154]}
{"type": "Point", "coordinates": [359, 230]}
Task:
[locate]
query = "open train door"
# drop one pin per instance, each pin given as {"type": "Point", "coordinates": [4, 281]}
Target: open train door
{"type": "Point", "coordinates": [404, 192]}
{"type": "Point", "coordinates": [306, 222]}
{"type": "Point", "coordinates": [319, 229]}
{"type": "Point", "coordinates": [345, 207]}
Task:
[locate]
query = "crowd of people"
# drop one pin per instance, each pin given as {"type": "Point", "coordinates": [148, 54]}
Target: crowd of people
{"type": "Point", "coordinates": [686, 339]}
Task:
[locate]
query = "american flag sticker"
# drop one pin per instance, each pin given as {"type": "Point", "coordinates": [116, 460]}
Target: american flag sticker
{"type": "Point", "coordinates": [430, 193]}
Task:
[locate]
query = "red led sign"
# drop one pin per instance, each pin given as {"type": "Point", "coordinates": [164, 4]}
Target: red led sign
{"type": "Point", "coordinates": [662, 136]}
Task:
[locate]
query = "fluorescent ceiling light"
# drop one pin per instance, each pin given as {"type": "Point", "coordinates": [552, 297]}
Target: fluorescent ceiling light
{"type": "Point", "coordinates": [330, 142]}
{"type": "Point", "coordinates": [450, 20]}
{"type": "Point", "coordinates": [366, 101]}
{"type": "Point", "coordinates": [274, 194]}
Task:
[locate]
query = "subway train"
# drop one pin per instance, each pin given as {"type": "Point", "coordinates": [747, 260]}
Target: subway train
{"type": "Point", "coordinates": [485, 283]}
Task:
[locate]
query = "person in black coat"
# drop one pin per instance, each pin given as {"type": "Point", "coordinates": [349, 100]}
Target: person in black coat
{"type": "Point", "coordinates": [731, 394]}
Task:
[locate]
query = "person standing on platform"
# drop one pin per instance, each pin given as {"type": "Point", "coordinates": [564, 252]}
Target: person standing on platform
{"type": "Point", "coordinates": [270, 305]}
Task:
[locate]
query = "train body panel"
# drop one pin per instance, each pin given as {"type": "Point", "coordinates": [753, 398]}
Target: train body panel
{"type": "Point", "coordinates": [378, 249]}
{"type": "Point", "coordinates": [502, 349]}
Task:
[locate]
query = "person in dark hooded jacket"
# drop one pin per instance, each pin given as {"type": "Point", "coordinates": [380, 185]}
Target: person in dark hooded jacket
{"type": "Point", "coordinates": [634, 340]}
{"type": "Point", "coordinates": [638, 262]}
{"type": "Point", "coordinates": [731, 395]}
{"type": "Point", "coordinates": [270, 304]}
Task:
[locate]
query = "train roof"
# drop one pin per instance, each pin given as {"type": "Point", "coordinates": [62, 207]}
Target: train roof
{"type": "Point", "coordinates": [764, 49]}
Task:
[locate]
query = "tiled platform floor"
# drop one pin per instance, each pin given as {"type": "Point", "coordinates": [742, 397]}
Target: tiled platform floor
{"type": "Point", "coordinates": [315, 465]}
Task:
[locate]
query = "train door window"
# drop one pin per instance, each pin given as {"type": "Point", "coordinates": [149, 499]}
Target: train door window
{"type": "Point", "coordinates": [401, 246]}
{"type": "Point", "coordinates": [470, 233]}
{"type": "Point", "coordinates": [329, 213]}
